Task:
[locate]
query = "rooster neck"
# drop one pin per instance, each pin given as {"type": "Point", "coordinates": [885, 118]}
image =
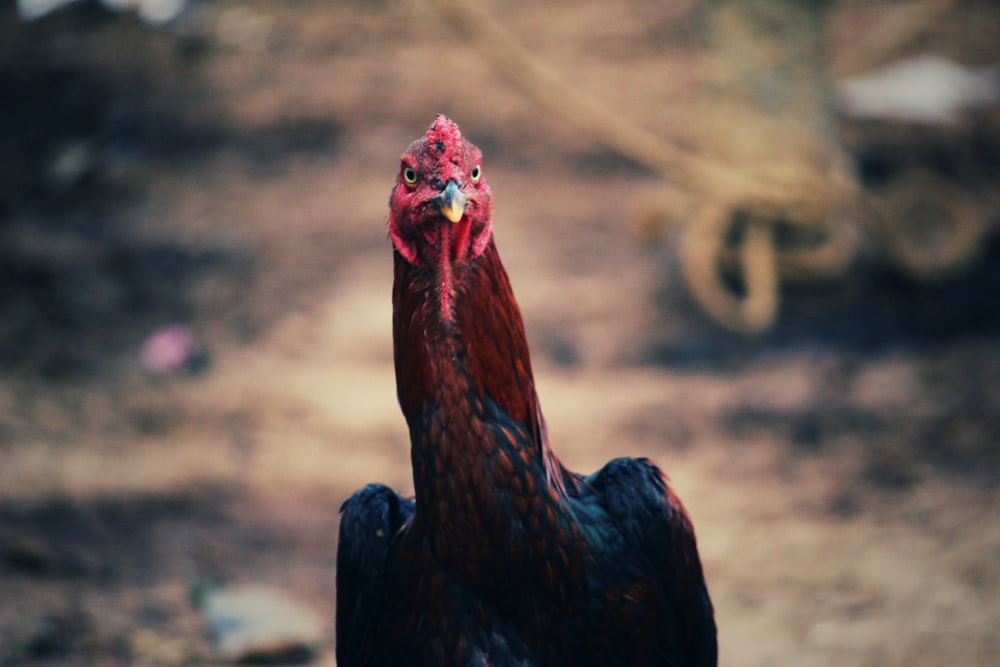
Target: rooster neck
{"type": "Point", "coordinates": [479, 452]}
{"type": "Point", "coordinates": [459, 326]}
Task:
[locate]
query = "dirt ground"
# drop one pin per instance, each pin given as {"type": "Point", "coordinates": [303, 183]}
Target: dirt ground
{"type": "Point", "coordinates": [232, 173]}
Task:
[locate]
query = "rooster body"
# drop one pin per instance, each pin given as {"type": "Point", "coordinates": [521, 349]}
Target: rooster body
{"type": "Point", "coordinates": [504, 557]}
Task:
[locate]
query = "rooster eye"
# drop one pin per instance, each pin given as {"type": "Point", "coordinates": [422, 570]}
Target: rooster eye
{"type": "Point", "coordinates": [410, 176]}
{"type": "Point", "coordinates": [476, 173]}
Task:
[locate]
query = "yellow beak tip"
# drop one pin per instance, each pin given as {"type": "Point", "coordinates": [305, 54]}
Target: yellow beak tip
{"type": "Point", "coordinates": [453, 213]}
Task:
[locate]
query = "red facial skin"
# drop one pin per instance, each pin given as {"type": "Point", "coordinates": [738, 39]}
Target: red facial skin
{"type": "Point", "coordinates": [419, 231]}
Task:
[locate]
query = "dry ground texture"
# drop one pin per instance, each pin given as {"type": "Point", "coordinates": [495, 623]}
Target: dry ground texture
{"type": "Point", "coordinates": [232, 173]}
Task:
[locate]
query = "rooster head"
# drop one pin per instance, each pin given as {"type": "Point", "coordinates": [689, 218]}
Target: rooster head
{"type": "Point", "coordinates": [440, 209]}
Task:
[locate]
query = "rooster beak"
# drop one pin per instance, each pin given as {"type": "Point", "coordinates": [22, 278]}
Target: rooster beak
{"type": "Point", "coordinates": [451, 201]}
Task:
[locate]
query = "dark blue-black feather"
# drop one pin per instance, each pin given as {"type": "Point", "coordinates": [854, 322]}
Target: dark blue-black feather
{"type": "Point", "coordinates": [371, 518]}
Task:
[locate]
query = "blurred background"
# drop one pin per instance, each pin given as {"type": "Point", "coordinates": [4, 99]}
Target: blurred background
{"type": "Point", "coordinates": [756, 242]}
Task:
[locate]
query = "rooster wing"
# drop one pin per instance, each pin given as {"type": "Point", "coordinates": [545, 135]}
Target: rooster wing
{"type": "Point", "coordinates": [372, 517]}
{"type": "Point", "coordinates": [659, 536]}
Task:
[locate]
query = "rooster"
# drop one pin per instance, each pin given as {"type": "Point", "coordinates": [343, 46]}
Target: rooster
{"type": "Point", "coordinates": [504, 557]}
